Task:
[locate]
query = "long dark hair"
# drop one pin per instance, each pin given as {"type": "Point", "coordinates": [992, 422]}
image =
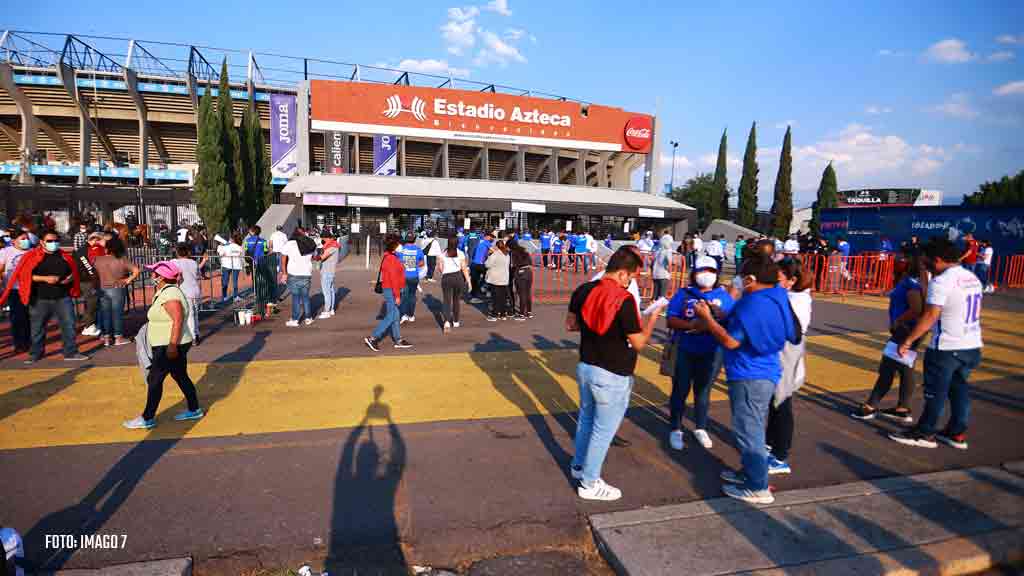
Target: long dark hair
{"type": "Point", "coordinates": [115, 247]}
{"type": "Point", "coordinates": [793, 268]}
{"type": "Point", "coordinates": [453, 246]}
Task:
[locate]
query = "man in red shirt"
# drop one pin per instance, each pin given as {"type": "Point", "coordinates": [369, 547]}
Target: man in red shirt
{"type": "Point", "coordinates": [970, 256]}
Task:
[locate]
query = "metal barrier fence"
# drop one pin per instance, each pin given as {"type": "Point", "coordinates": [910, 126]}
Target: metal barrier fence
{"type": "Point", "coordinates": [219, 286]}
{"type": "Point", "coordinates": [556, 276]}
{"type": "Point", "coordinates": [864, 274]}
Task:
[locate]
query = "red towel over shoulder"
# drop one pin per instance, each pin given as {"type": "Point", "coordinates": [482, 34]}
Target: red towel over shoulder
{"type": "Point", "coordinates": [603, 303]}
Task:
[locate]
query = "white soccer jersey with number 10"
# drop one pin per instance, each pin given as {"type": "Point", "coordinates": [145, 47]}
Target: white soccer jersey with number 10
{"type": "Point", "coordinates": [959, 293]}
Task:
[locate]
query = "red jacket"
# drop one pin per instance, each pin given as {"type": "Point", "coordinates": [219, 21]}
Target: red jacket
{"type": "Point", "coordinates": [392, 274]}
{"type": "Point", "coordinates": [23, 273]}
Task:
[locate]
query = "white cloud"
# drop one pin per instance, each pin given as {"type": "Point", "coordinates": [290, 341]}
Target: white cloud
{"type": "Point", "coordinates": [785, 124]}
{"type": "Point", "coordinates": [533, 38]}
{"type": "Point", "coordinates": [886, 52]}
{"type": "Point", "coordinates": [463, 14]}
{"type": "Point", "coordinates": [711, 161]}
{"type": "Point", "coordinates": [514, 34]}
{"type": "Point", "coordinates": [924, 166]}
{"type": "Point", "coordinates": [876, 110]}
{"type": "Point", "coordinates": [958, 106]}
{"type": "Point", "coordinates": [1010, 89]}
{"type": "Point", "coordinates": [967, 148]}
{"type": "Point", "coordinates": [499, 6]}
{"type": "Point", "coordinates": [431, 66]}
{"type": "Point", "coordinates": [950, 51]}
{"type": "Point", "coordinates": [459, 36]}
{"type": "Point", "coordinates": [1010, 39]}
{"type": "Point", "coordinates": [497, 51]}
{"type": "Point", "coordinates": [1001, 56]}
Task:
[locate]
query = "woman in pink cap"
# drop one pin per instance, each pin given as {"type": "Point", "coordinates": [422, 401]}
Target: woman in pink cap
{"type": "Point", "coordinates": [169, 338]}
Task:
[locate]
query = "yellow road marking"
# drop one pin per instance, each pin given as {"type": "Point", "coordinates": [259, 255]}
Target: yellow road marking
{"type": "Point", "coordinates": [85, 405]}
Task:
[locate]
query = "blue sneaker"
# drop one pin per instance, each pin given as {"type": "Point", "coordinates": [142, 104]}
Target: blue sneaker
{"type": "Point", "coordinates": [190, 415]}
{"type": "Point", "coordinates": [733, 477]}
{"type": "Point", "coordinates": [776, 466]}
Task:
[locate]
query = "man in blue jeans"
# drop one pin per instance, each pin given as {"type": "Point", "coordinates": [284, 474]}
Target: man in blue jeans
{"type": "Point", "coordinates": [605, 314]}
{"type": "Point", "coordinates": [954, 302]}
{"type": "Point", "coordinates": [759, 326]}
{"type": "Point", "coordinates": [412, 261]}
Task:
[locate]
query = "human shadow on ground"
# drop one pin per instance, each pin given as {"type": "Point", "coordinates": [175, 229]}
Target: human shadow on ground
{"type": "Point", "coordinates": [523, 379]}
{"type": "Point", "coordinates": [435, 307]}
{"type": "Point", "coordinates": [365, 531]}
{"type": "Point", "coordinates": [34, 394]}
{"type": "Point", "coordinates": [89, 515]}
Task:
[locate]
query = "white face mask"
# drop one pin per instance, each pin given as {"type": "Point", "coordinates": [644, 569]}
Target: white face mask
{"type": "Point", "coordinates": [706, 279]}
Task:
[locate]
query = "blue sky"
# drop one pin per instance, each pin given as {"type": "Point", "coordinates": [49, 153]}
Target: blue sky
{"type": "Point", "coordinates": [909, 94]}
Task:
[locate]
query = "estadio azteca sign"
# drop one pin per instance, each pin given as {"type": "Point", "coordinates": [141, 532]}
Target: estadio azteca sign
{"type": "Point", "coordinates": [476, 116]}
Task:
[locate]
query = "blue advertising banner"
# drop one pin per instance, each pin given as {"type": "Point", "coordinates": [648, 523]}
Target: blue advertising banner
{"type": "Point", "coordinates": [864, 228]}
{"type": "Point", "coordinates": [283, 137]}
{"type": "Point", "coordinates": [385, 155]}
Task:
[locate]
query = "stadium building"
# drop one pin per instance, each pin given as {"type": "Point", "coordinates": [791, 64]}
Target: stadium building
{"type": "Point", "coordinates": [108, 126]}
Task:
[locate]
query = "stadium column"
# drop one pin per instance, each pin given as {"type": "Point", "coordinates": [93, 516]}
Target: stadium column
{"type": "Point", "coordinates": [85, 145]}
{"type": "Point", "coordinates": [355, 153]}
{"type": "Point", "coordinates": [651, 163]}
{"type": "Point", "coordinates": [401, 148]}
{"type": "Point", "coordinates": [485, 163]}
{"type": "Point", "coordinates": [521, 163]}
{"type": "Point", "coordinates": [302, 128]}
{"type": "Point", "coordinates": [581, 167]}
{"type": "Point", "coordinates": [444, 158]}
{"type": "Point", "coordinates": [28, 132]}
{"type": "Point", "coordinates": [602, 170]}
{"type": "Point", "coordinates": [553, 165]}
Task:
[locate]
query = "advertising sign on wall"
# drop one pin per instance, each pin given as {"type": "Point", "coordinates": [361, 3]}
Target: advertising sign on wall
{"type": "Point", "coordinates": [865, 198]}
{"type": "Point", "coordinates": [283, 136]}
{"type": "Point", "coordinates": [477, 116]}
{"type": "Point", "coordinates": [385, 155]}
{"type": "Point", "coordinates": [337, 152]}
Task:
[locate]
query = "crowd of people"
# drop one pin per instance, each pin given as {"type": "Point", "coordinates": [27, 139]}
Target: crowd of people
{"type": "Point", "coordinates": [753, 327]}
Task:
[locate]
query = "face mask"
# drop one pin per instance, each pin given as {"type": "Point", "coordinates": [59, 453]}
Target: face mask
{"type": "Point", "coordinates": [24, 244]}
{"type": "Point", "coordinates": [52, 246]}
{"type": "Point", "coordinates": [706, 279]}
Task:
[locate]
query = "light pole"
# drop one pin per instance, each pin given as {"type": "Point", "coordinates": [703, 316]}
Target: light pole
{"type": "Point", "coordinates": [672, 178]}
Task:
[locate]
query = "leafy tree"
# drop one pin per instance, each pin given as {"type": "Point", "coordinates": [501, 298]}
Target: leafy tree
{"type": "Point", "coordinates": [700, 193]}
{"type": "Point", "coordinates": [211, 191]}
{"type": "Point", "coordinates": [746, 213]}
{"type": "Point", "coordinates": [828, 197]}
{"type": "Point", "coordinates": [234, 171]}
{"type": "Point", "coordinates": [720, 201]}
{"type": "Point", "coordinates": [259, 191]}
{"type": "Point", "coordinates": [782, 205]}
{"type": "Point", "coordinates": [1008, 191]}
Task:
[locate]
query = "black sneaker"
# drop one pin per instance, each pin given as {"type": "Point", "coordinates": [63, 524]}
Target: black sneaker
{"type": "Point", "coordinates": [492, 318]}
{"type": "Point", "coordinates": [901, 416]}
{"type": "Point", "coordinates": [865, 412]}
{"type": "Point", "coordinates": [372, 343]}
{"type": "Point", "coordinates": [958, 441]}
{"type": "Point", "coordinates": [402, 344]}
{"type": "Point", "coordinates": [914, 438]}
{"type": "Point", "coordinates": [519, 318]}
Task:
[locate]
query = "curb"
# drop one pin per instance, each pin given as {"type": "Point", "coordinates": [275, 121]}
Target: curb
{"type": "Point", "coordinates": [168, 567]}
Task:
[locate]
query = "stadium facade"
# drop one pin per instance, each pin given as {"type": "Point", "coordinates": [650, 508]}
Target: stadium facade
{"type": "Point", "coordinates": [109, 126]}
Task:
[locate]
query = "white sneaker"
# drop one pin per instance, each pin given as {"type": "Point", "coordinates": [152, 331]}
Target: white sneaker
{"type": "Point", "coordinates": [456, 324]}
{"type": "Point", "coordinates": [324, 315]}
{"type": "Point", "coordinates": [702, 438]}
{"type": "Point", "coordinates": [411, 318]}
{"type": "Point", "coordinates": [331, 313]}
{"type": "Point", "coordinates": [747, 495]}
{"type": "Point", "coordinates": [291, 323]}
{"type": "Point", "coordinates": [404, 319]}
{"type": "Point", "coordinates": [599, 491]}
{"type": "Point", "coordinates": [675, 440]}
{"type": "Point", "coordinates": [447, 327]}
{"type": "Point", "coordinates": [91, 330]}
{"type": "Point", "coordinates": [307, 321]}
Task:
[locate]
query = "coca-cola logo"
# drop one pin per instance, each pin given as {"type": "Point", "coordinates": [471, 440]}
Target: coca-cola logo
{"type": "Point", "coordinates": [638, 132]}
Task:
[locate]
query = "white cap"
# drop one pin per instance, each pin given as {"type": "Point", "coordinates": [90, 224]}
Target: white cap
{"type": "Point", "coordinates": [706, 262]}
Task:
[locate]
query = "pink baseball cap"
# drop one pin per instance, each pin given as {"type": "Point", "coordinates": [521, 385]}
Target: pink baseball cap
{"type": "Point", "coordinates": [165, 268]}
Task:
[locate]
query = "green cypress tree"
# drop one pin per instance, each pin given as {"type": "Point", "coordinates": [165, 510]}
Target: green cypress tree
{"type": "Point", "coordinates": [828, 197]}
{"type": "Point", "coordinates": [720, 203]}
{"type": "Point", "coordinates": [246, 192]}
{"type": "Point", "coordinates": [259, 179]}
{"type": "Point", "coordinates": [211, 192]}
{"type": "Point", "coordinates": [746, 213]}
{"type": "Point", "coordinates": [234, 176]}
{"type": "Point", "coordinates": [782, 205]}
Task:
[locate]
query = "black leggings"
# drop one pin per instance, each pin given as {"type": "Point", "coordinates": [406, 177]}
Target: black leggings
{"type": "Point", "coordinates": [887, 370]}
{"type": "Point", "coordinates": [524, 290]}
{"type": "Point", "coordinates": [158, 371]}
{"type": "Point", "coordinates": [779, 434]}
{"type": "Point", "coordinates": [453, 285]}
{"type": "Point", "coordinates": [499, 300]}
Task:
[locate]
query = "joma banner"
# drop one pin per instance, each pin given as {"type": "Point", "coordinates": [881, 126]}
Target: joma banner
{"type": "Point", "coordinates": [283, 137]}
{"type": "Point", "coordinates": [385, 155]}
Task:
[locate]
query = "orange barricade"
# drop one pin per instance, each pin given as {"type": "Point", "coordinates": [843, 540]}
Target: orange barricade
{"type": "Point", "coordinates": [1013, 274]}
{"type": "Point", "coordinates": [677, 276]}
{"type": "Point", "coordinates": [856, 275]}
{"type": "Point", "coordinates": [556, 282]}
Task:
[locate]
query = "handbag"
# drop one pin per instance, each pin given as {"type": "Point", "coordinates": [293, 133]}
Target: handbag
{"type": "Point", "coordinates": [668, 357]}
{"type": "Point", "coordinates": [378, 287]}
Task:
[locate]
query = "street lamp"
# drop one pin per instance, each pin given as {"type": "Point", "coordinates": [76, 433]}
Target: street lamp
{"type": "Point", "coordinates": [672, 179]}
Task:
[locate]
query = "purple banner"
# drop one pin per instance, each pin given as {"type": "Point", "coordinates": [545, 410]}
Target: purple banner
{"type": "Point", "coordinates": [385, 155]}
{"type": "Point", "coordinates": [283, 136]}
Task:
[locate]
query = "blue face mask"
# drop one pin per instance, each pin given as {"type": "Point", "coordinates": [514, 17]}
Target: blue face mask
{"type": "Point", "coordinates": [24, 244]}
{"type": "Point", "coordinates": [52, 246]}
